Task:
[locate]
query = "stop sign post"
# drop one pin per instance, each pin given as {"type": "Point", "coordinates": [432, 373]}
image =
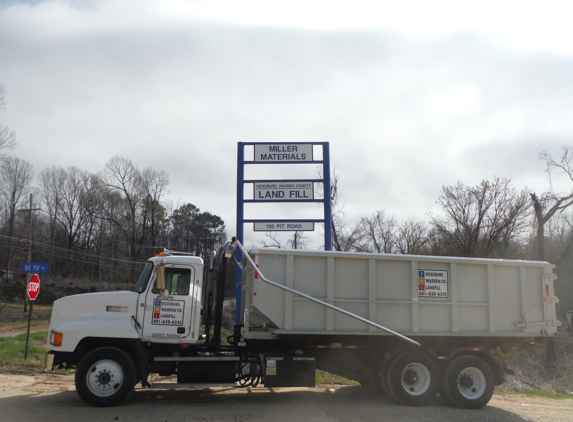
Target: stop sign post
{"type": "Point", "coordinates": [33, 292]}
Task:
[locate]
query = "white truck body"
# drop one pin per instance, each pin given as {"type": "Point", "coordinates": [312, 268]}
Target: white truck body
{"type": "Point", "coordinates": [413, 295]}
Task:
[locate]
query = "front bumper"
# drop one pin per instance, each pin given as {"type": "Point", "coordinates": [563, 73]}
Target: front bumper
{"type": "Point", "coordinates": [49, 361]}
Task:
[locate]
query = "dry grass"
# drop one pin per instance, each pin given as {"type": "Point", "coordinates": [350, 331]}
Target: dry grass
{"type": "Point", "coordinates": [534, 371]}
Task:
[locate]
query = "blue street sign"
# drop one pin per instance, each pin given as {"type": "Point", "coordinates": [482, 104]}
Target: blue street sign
{"type": "Point", "coordinates": [34, 267]}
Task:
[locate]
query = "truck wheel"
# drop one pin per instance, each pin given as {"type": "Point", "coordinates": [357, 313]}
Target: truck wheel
{"type": "Point", "coordinates": [383, 373]}
{"type": "Point", "coordinates": [105, 377]}
{"type": "Point", "coordinates": [413, 378]}
{"type": "Point", "coordinates": [468, 382]}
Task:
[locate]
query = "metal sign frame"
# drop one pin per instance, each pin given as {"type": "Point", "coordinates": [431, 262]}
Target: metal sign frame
{"type": "Point", "coordinates": [281, 153]}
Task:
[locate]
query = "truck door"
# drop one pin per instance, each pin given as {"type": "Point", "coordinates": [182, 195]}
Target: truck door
{"type": "Point", "coordinates": [169, 304]}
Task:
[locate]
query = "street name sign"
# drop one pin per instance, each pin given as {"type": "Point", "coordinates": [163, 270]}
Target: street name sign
{"type": "Point", "coordinates": [284, 226]}
{"type": "Point", "coordinates": [34, 267]}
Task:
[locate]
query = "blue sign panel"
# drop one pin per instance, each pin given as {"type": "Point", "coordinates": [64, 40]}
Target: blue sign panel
{"type": "Point", "coordinates": [34, 267]}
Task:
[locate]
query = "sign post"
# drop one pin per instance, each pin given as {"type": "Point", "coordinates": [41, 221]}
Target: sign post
{"type": "Point", "coordinates": [33, 290]}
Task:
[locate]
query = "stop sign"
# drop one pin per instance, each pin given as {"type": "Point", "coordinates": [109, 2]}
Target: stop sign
{"type": "Point", "coordinates": [33, 287]}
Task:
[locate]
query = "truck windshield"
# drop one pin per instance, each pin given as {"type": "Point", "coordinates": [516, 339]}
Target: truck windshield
{"type": "Point", "coordinates": [143, 278]}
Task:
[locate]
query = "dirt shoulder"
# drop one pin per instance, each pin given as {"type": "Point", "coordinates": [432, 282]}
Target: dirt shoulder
{"type": "Point", "coordinates": [13, 319]}
{"type": "Point", "coordinates": [52, 397]}
{"type": "Point", "coordinates": [15, 328]}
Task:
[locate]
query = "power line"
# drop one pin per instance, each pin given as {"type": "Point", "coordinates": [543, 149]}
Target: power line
{"type": "Point", "coordinates": [50, 249]}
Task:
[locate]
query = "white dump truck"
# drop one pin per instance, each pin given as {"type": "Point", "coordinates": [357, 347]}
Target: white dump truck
{"type": "Point", "coordinates": [413, 326]}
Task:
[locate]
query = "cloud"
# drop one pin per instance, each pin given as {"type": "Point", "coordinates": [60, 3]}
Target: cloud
{"type": "Point", "coordinates": [176, 90]}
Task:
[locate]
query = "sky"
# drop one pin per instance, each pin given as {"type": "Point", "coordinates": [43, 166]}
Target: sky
{"type": "Point", "coordinates": [410, 95]}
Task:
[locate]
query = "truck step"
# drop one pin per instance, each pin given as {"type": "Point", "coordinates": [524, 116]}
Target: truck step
{"type": "Point", "coordinates": [175, 385]}
{"type": "Point", "coordinates": [197, 359]}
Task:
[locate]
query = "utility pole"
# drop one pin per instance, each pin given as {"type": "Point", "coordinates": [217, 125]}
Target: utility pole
{"type": "Point", "coordinates": [29, 250]}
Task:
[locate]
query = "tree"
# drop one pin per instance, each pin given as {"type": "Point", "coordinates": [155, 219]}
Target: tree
{"type": "Point", "coordinates": [182, 221]}
{"type": "Point", "coordinates": [122, 177]}
{"type": "Point", "coordinates": [482, 220]}
{"type": "Point", "coordinates": [7, 137]}
{"type": "Point", "coordinates": [412, 238]}
{"type": "Point", "coordinates": [378, 233]}
{"type": "Point", "coordinates": [298, 241]}
{"type": "Point", "coordinates": [548, 204]}
{"type": "Point", "coordinates": [153, 212]}
{"type": "Point", "coordinates": [195, 231]}
{"type": "Point", "coordinates": [52, 182]}
{"type": "Point", "coordinates": [15, 181]}
{"type": "Point", "coordinates": [343, 239]}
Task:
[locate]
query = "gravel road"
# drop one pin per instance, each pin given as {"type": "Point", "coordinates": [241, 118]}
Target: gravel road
{"type": "Point", "coordinates": [51, 397]}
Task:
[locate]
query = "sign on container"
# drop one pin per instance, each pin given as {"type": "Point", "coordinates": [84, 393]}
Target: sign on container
{"type": "Point", "coordinates": [432, 283]}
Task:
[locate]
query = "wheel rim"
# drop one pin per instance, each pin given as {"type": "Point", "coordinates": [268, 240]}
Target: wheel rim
{"type": "Point", "coordinates": [104, 378]}
{"type": "Point", "coordinates": [471, 383]}
{"type": "Point", "coordinates": [416, 379]}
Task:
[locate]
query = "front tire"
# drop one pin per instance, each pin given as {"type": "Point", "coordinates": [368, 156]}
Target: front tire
{"type": "Point", "coordinates": [105, 377]}
{"type": "Point", "coordinates": [413, 378]}
{"type": "Point", "coordinates": [468, 382]}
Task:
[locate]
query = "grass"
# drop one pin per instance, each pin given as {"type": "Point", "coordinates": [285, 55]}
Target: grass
{"type": "Point", "coordinates": [327, 378]}
{"type": "Point", "coordinates": [12, 352]}
{"type": "Point", "coordinates": [535, 393]}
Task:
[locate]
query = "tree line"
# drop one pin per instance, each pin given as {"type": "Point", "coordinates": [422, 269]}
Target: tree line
{"type": "Point", "coordinates": [95, 226]}
{"type": "Point", "coordinates": [92, 226]}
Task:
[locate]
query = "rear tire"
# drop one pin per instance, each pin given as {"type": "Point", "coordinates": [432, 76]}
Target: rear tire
{"type": "Point", "coordinates": [413, 378]}
{"type": "Point", "coordinates": [383, 373]}
{"type": "Point", "coordinates": [468, 382]}
{"type": "Point", "coordinates": [105, 377]}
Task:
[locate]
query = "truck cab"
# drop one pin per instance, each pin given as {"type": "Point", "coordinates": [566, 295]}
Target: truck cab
{"type": "Point", "coordinates": [161, 315]}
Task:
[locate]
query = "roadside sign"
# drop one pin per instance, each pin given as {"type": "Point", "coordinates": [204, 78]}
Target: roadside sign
{"type": "Point", "coordinates": [284, 191]}
{"type": "Point", "coordinates": [34, 267]}
{"type": "Point", "coordinates": [283, 153]}
{"type": "Point", "coordinates": [33, 287]}
{"type": "Point", "coordinates": [283, 226]}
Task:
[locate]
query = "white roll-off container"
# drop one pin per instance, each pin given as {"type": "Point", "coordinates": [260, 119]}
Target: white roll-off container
{"type": "Point", "coordinates": [413, 295]}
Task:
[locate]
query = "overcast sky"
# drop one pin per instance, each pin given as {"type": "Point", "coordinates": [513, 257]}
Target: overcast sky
{"type": "Point", "coordinates": [411, 95]}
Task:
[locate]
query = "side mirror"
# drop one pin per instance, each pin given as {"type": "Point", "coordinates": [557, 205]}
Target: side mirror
{"type": "Point", "coordinates": [160, 279]}
{"type": "Point", "coordinates": [212, 259]}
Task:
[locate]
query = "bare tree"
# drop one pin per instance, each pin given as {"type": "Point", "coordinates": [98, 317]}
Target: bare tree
{"type": "Point", "coordinates": [481, 220]}
{"type": "Point", "coordinates": [15, 181]}
{"type": "Point", "coordinates": [379, 233]}
{"type": "Point", "coordinates": [123, 178]}
{"type": "Point", "coordinates": [298, 241]}
{"type": "Point", "coordinates": [343, 238]}
{"type": "Point", "coordinates": [52, 180]}
{"type": "Point", "coordinates": [548, 204]}
{"type": "Point", "coordinates": [7, 137]}
{"type": "Point", "coordinates": [271, 241]}
{"type": "Point", "coordinates": [79, 205]}
{"type": "Point", "coordinates": [412, 238]}
{"type": "Point", "coordinates": [153, 213]}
